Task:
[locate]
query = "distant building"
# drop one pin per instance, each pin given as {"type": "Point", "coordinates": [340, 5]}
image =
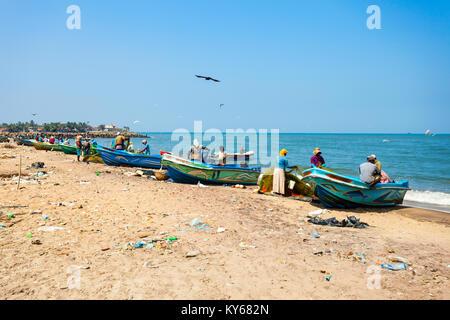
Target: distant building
{"type": "Point", "coordinates": [111, 128]}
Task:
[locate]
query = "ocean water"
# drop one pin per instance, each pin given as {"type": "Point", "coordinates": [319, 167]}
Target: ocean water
{"type": "Point", "coordinates": [422, 160]}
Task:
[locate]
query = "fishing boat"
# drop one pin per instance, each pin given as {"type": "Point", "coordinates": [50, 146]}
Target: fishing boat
{"type": "Point", "coordinates": [113, 157]}
{"type": "Point", "coordinates": [4, 139]}
{"type": "Point", "coordinates": [68, 148]}
{"type": "Point", "coordinates": [339, 191]}
{"type": "Point", "coordinates": [46, 146]}
{"type": "Point", "coordinates": [23, 141]}
{"type": "Point", "coordinates": [190, 171]}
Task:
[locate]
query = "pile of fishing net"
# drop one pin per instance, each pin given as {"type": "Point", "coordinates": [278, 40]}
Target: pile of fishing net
{"type": "Point", "coordinates": [300, 188]}
{"type": "Point", "coordinates": [93, 156]}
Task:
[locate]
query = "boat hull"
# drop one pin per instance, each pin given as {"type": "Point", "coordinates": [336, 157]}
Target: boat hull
{"type": "Point", "coordinates": [113, 157]}
{"type": "Point", "coordinates": [46, 146]}
{"type": "Point", "coordinates": [24, 142]}
{"type": "Point", "coordinates": [338, 191]}
{"type": "Point", "coordinates": [68, 149]}
{"type": "Point", "coordinates": [186, 171]}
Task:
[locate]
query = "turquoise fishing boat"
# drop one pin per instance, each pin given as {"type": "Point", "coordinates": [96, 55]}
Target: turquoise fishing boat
{"type": "Point", "coordinates": [189, 171]}
{"type": "Point", "coordinates": [339, 191]}
{"type": "Point", "coordinates": [113, 157]}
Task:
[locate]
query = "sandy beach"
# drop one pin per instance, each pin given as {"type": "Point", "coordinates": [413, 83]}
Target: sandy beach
{"type": "Point", "coordinates": [265, 251]}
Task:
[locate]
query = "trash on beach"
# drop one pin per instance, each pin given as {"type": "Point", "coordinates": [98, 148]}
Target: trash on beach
{"type": "Point", "coordinates": [391, 250]}
{"type": "Point", "coordinates": [399, 259]}
{"type": "Point", "coordinates": [220, 229]}
{"type": "Point", "coordinates": [50, 228]}
{"type": "Point", "coordinates": [193, 253]}
{"type": "Point", "coordinates": [238, 186]}
{"type": "Point", "coordinates": [317, 212]}
{"type": "Point", "coordinates": [36, 212]}
{"type": "Point", "coordinates": [195, 222]}
{"type": "Point", "coordinates": [10, 215]}
{"type": "Point", "coordinates": [2, 226]}
{"type": "Point", "coordinates": [395, 267]}
{"type": "Point", "coordinates": [37, 242]}
{"type": "Point", "coordinates": [65, 204]}
{"type": "Point", "coordinates": [200, 185]}
{"type": "Point", "coordinates": [85, 182]}
{"type": "Point", "coordinates": [328, 277]}
{"type": "Point", "coordinates": [38, 165]}
{"type": "Point", "coordinates": [245, 245]}
{"type": "Point", "coordinates": [171, 239]}
{"type": "Point", "coordinates": [29, 236]}
{"type": "Point", "coordinates": [45, 217]}
{"type": "Point", "coordinates": [350, 222]}
{"type": "Point", "coordinates": [314, 234]}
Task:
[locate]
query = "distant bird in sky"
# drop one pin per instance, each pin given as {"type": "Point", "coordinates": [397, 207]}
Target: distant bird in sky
{"type": "Point", "coordinates": [34, 114]}
{"type": "Point", "coordinates": [220, 106]}
{"type": "Point", "coordinates": [207, 78]}
{"type": "Point", "coordinates": [136, 121]}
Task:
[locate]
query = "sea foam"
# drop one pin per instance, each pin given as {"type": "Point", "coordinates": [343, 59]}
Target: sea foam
{"type": "Point", "coordinates": [439, 198]}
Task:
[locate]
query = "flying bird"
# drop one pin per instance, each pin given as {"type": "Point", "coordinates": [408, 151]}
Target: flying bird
{"type": "Point", "coordinates": [34, 114]}
{"type": "Point", "coordinates": [207, 78]}
{"type": "Point", "coordinates": [136, 121]}
{"type": "Point", "coordinates": [220, 106]}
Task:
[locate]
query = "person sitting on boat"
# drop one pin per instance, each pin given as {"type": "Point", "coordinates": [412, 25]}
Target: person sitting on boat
{"type": "Point", "coordinates": [384, 177]}
{"type": "Point", "coordinates": [130, 147]}
{"type": "Point", "coordinates": [78, 145]}
{"type": "Point", "coordinates": [195, 152]}
{"type": "Point", "coordinates": [317, 160]}
{"type": "Point", "coordinates": [369, 172]}
{"type": "Point", "coordinates": [279, 178]}
{"type": "Point", "coordinates": [52, 140]}
{"type": "Point", "coordinates": [119, 143]}
{"type": "Point", "coordinates": [245, 161]}
{"type": "Point", "coordinates": [146, 149]}
{"type": "Point", "coordinates": [221, 156]}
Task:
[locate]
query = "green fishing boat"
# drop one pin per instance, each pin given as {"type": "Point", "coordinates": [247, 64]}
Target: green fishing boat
{"type": "Point", "coordinates": [46, 146]}
{"type": "Point", "coordinates": [68, 148]}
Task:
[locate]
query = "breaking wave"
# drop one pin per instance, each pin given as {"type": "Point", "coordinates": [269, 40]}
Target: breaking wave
{"type": "Point", "coordinates": [431, 197]}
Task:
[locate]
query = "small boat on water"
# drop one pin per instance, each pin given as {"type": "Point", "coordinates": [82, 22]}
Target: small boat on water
{"type": "Point", "coordinates": [339, 191]}
{"type": "Point", "coordinates": [46, 146]}
{"type": "Point", "coordinates": [113, 157]}
{"type": "Point", "coordinates": [189, 171]}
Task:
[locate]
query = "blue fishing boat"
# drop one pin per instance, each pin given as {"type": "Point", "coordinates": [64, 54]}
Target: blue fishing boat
{"type": "Point", "coordinates": [339, 191]}
{"type": "Point", "coordinates": [113, 157]}
{"type": "Point", "coordinates": [189, 171]}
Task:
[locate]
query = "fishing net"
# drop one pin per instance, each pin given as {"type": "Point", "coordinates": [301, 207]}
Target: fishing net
{"type": "Point", "coordinates": [300, 188]}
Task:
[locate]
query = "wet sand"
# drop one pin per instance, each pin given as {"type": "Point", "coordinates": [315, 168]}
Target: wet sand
{"type": "Point", "coordinates": [265, 252]}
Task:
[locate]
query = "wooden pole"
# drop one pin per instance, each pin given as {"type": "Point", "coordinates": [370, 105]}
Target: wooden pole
{"type": "Point", "coordinates": [20, 171]}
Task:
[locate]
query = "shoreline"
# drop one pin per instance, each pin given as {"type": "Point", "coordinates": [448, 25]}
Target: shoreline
{"type": "Point", "coordinates": [72, 135]}
{"type": "Point", "coordinates": [93, 217]}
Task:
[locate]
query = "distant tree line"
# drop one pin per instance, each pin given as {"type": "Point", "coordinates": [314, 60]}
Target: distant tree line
{"type": "Point", "coordinates": [46, 127]}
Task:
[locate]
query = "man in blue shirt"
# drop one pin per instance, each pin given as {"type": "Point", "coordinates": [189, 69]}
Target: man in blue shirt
{"type": "Point", "coordinates": [146, 149]}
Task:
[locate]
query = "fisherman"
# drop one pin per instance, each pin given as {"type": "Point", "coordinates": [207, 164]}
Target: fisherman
{"type": "Point", "coordinates": [244, 163]}
{"type": "Point", "coordinates": [146, 149]}
{"type": "Point", "coordinates": [317, 160]}
{"type": "Point", "coordinates": [384, 177]}
{"type": "Point", "coordinates": [377, 162]}
{"type": "Point", "coordinates": [78, 145]}
{"type": "Point", "coordinates": [221, 156]}
{"type": "Point", "coordinates": [119, 143]}
{"type": "Point", "coordinates": [52, 140]}
{"type": "Point", "coordinates": [86, 149]}
{"type": "Point", "coordinates": [369, 172]}
{"type": "Point", "coordinates": [279, 178]}
{"type": "Point", "coordinates": [195, 152]}
{"type": "Point", "coordinates": [130, 147]}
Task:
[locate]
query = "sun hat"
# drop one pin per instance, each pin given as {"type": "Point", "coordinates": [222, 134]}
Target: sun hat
{"type": "Point", "coordinates": [283, 152]}
{"type": "Point", "coordinates": [316, 151]}
{"type": "Point", "coordinates": [371, 157]}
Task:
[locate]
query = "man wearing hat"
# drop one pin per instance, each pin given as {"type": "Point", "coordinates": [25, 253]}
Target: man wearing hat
{"type": "Point", "coordinates": [317, 160]}
{"type": "Point", "coordinates": [369, 172]}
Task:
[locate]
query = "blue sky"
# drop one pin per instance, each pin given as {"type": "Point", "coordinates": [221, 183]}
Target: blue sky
{"type": "Point", "coordinates": [299, 66]}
